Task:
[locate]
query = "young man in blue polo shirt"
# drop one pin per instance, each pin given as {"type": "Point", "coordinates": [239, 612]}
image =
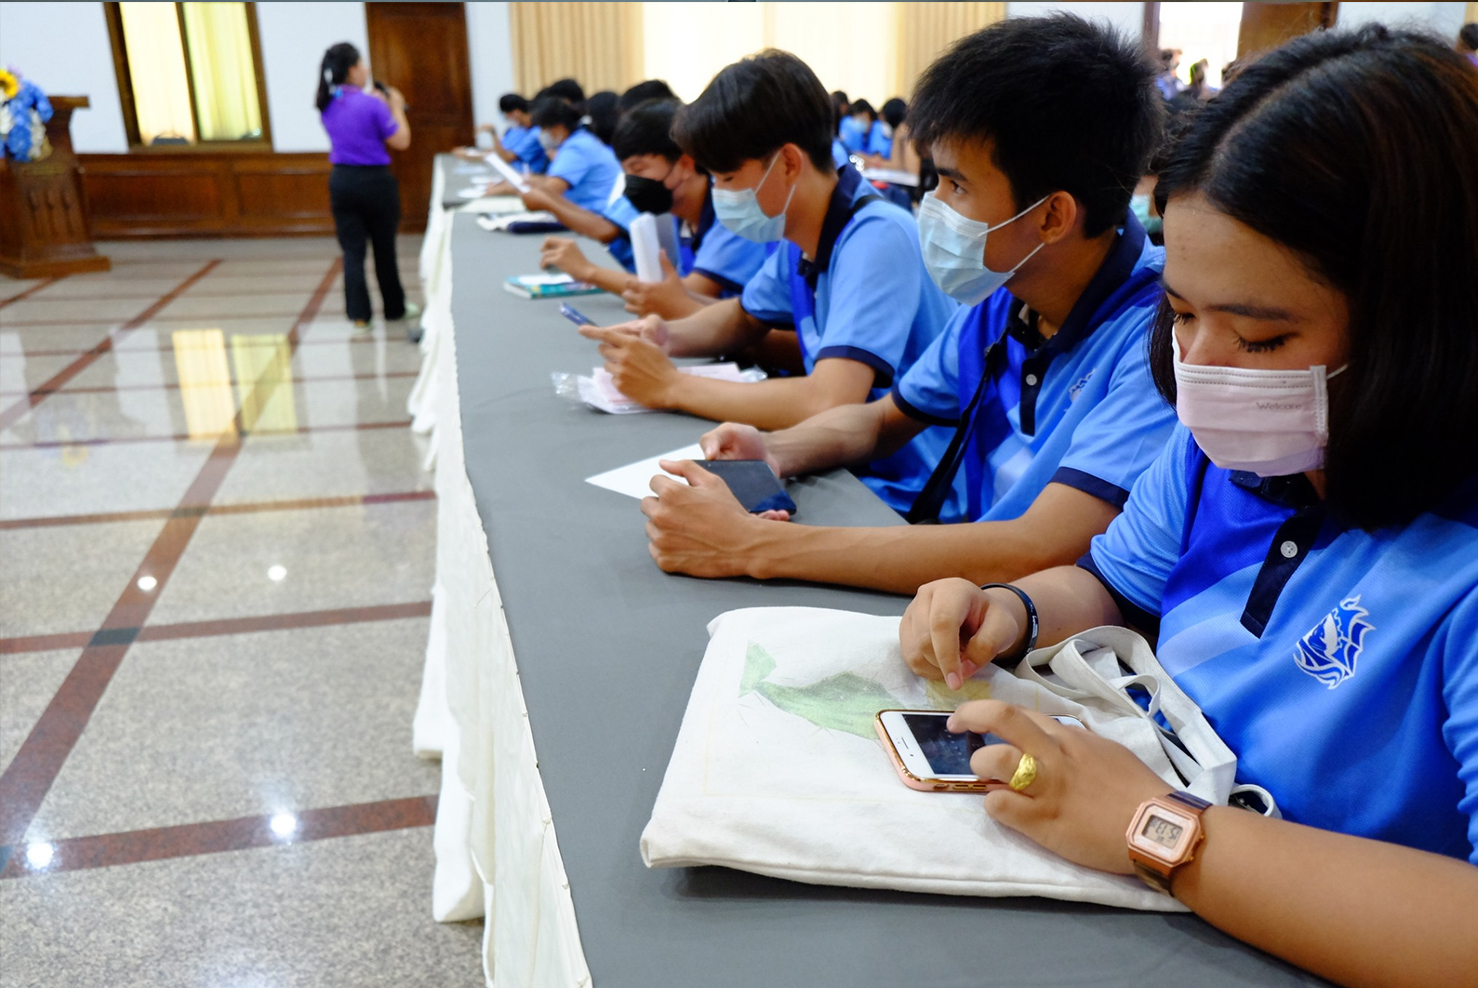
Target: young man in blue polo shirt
{"type": "Point", "coordinates": [519, 144]}
{"type": "Point", "coordinates": [582, 169]}
{"type": "Point", "coordinates": [1044, 380]}
{"type": "Point", "coordinates": [660, 179]}
{"type": "Point", "coordinates": [848, 276]}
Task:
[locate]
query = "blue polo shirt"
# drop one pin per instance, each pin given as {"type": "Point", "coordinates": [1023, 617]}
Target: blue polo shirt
{"type": "Point", "coordinates": [852, 136]}
{"type": "Point", "coordinates": [865, 297]}
{"type": "Point", "coordinates": [1341, 666]}
{"type": "Point", "coordinates": [590, 168]}
{"type": "Point", "coordinates": [621, 212]}
{"type": "Point", "coordinates": [723, 256]}
{"type": "Point", "coordinates": [880, 140]}
{"type": "Point", "coordinates": [524, 143]}
{"type": "Point", "coordinates": [1078, 409]}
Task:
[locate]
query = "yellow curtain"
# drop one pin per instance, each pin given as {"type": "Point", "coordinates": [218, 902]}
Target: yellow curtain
{"type": "Point", "coordinates": [222, 67]}
{"type": "Point", "coordinates": [925, 30]}
{"type": "Point", "coordinates": [156, 64]}
{"type": "Point", "coordinates": [599, 44]}
{"type": "Point", "coordinates": [1472, 17]}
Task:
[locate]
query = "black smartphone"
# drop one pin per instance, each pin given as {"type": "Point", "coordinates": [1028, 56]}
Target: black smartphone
{"type": "Point", "coordinates": [574, 316]}
{"type": "Point", "coordinates": [753, 483]}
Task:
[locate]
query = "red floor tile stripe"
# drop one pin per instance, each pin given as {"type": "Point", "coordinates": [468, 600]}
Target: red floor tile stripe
{"type": "Point", "coordinates": [31, 773]}
{"type": "Point", "coordinates": [33, 290]}
{"type": "Point", "coordinates": [15, 411]}
{"type": "Point", "coordinates": [168, 348]}
{"type": "Point", "coordinates": [175, 385]}
{"type": "Point", "coordinates": [216, 836]}
{"type": "Point", "coordinates": [246, 507]}
{"type": "Point", "coordinates": [221, 626]}
{"type": "Point", "coordinates": [181, 437]}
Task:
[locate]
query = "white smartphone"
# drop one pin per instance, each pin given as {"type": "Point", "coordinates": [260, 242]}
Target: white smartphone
{"type": "Point", "coordinates": [930, 757]}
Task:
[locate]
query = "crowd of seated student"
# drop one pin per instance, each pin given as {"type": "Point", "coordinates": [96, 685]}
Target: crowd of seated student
{"type": "Point", "coordinates": [1307, 566]}
{"type": "Point", "coordinates": [1086, 412]}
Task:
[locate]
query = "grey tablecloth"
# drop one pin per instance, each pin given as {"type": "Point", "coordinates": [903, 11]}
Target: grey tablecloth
{"type": "Point", "coordinates": [607, 647]}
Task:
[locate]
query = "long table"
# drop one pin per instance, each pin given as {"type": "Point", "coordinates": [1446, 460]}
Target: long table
{"type": "Point", "coordinates": [554, 759]}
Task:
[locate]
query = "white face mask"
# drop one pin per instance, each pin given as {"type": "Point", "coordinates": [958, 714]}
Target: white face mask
{"type": "Point", "coordinates": [954, 250]}
{"type": "Point", "coordinates": [547, 141]}
{"type": "Point", "coordinates": [1271, 423]}
{"type": "Point", "coordinates": [739, 210]}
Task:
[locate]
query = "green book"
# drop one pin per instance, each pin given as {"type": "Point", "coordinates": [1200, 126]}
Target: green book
{"type": "Point", "coordinates": [548, 286]}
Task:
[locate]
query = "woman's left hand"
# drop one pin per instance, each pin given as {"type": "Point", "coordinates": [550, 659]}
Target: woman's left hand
{"type": "Point", "coordinates": [1086, 790]}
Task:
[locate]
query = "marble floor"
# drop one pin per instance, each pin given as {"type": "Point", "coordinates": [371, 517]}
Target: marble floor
{"type": "Point", "coordinates": [216, 554]}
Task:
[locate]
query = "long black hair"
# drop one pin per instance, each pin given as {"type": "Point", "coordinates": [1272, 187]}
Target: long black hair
{"type": "Point", "coordinates": [1355, 150]}
{"type": "Point", "coordinates": [337, 62]}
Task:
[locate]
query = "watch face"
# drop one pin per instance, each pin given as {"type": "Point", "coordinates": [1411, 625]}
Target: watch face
{"type": "Point", "coordinates": [1162, 831]}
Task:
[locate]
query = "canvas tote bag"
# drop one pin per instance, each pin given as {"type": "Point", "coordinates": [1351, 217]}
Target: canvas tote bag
{"type": "Point", "coordinates": [777, 768]}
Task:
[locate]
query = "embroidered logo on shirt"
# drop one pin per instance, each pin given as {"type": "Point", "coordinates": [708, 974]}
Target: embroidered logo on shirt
{"type": "Point", "coordinates": [1330, 650]}
{"type": "Point", "coordinates": [1082, 382]}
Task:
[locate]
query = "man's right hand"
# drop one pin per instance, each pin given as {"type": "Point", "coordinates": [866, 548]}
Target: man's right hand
{"type": "Point", "coordinates": [733, 441]}
{"type": "Point", "coordinates": [649, 328]}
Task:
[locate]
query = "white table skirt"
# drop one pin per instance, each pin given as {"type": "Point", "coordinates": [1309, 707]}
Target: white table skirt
{"type": "Point", "coordinates": [496, 853]}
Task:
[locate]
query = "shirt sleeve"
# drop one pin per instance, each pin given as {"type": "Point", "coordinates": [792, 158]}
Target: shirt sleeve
{"type": "Point", "coordinates": [874, 295]}
{"type": "Point", "coordinates": [929, 390]}
{"type": "Point", "coordinates": [1460, 694]}
{"type": "Point", "coordinates": [767, 295]}
{"type": "Point", "coordinates": [1118, 439]}
{"type": "Point", "coordinates": [621, 212]}
{"type": "Point", "coordinates": [1134, 557]}
{"type": "Point", "coordinates": [728, 259]}
{"type": "Point", "coordinates": [384, 120]}
{"type": "Point", "coordinates": [571, 163]}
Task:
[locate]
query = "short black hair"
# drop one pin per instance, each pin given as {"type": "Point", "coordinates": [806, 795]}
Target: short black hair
{"type": "Point", "coordinates": [754, 107]}
{"type": "Point", "coordinates": [566, 89]}
{"type": "Point", "coordinates": [862, 106]}
{"type": "Point", "coordinates": [643, 91]}
{"type": "Point", "coordinates": [550, 111]}
{"type": "Point", "coordinates": [647, 129]}
{"type": "Point", "coordinates": [509, 102]}
{"type": "Point", "coordinates": [839, 104]}
{"type": "Point", "coordinates": [894, 111]}
{"type": "Point", "coordinates": [1067, 105]}
{"type": "Point", "coordinates": [601, 109]}
{"type": "Point", "coordinates": [1468, 35]}
{"type": "Point", "coordinates": [1355, 151]}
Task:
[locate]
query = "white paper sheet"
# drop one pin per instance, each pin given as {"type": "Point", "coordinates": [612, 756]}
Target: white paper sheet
{"type": "Point", "coordinates": [599, 389]}
{"type": "Point", "coordinates": [634, 479]}
{"type": "Point", "coordinates": [513, 178]}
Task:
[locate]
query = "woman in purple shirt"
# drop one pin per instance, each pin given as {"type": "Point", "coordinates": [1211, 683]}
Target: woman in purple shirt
{"type": "Point", "coordinates": [362, 191]}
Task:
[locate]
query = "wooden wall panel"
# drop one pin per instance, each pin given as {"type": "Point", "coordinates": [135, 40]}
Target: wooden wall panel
{"type": "Point", "coordinates": [205, 194]}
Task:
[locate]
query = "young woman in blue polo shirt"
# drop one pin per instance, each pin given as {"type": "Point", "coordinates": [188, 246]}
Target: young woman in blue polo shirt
{"type": "Point", "coordinates": [1306, 549]}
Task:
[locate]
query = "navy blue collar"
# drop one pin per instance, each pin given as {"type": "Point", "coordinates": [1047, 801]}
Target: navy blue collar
{"type": "Point", "coordinates": [705, 219]}
{"type": "Point", "coordinates": [1292, 491]}
{"type": "Point", "coordinates": [838, 212]}
{"type": "Point", "coordinates": [1116, 269]}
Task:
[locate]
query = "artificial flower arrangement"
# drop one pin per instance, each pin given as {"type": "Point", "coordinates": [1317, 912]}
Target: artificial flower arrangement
{"type": "Point", "coordinates": [24, 110]}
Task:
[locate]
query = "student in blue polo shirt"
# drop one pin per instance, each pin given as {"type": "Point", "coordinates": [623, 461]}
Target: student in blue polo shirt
{"type": "Point", "coordinates": [519, 143]}
{"type": "Point", "coordinates": [847, 277]}
{"type": "Point", "coordinates": [1043, 382]}
{"type": "Point", "coordinates": [1306, 549]}
{"type": "Point", "coordinates": [582, 169]}
{"type": "Point", "coordinates": [660, 179]}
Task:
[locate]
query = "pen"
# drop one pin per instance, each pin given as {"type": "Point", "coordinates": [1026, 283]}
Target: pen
{"type": "Point", "coordinates": [570, 313]}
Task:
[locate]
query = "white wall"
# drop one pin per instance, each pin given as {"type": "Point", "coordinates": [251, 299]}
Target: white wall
{"type": "Point", "coordinates": [64, 49]}
{"type": "Point", "coordinates": [1443, 18]}
{"type": "Point", "coordinates": [294, 37]}
{"type": "Point", "coordinates": [1128, 18]}
{"type": "Point", "coordinates": [490, 48]}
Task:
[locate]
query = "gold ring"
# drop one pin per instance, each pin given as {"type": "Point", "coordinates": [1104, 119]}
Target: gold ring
{"type": "Point", "coordinates": [1025, 774]}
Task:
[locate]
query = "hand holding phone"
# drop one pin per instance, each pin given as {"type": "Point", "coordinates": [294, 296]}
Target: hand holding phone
{"type": "Point", "coordinates": [929, 757]}
{"type": "Point", "coordinates": [753, 483]}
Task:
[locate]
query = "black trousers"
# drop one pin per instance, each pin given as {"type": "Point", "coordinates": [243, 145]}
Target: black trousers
{"type": "Point", "coordinates": [366, 205]}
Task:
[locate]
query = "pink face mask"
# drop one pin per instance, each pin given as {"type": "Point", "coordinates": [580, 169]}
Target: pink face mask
{"type": "Point", "coordinates": [1271, 423]}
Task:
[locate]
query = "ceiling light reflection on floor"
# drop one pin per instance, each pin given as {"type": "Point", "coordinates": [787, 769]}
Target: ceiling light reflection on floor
{"type": "Point", "coordinates": [40, 854]}
{"type": "Point", "coordinates": [147, 583]}
{"type": "Point", "coordinates": [284, 824]}
{"type": "Point", "coordinates": [277, 573]}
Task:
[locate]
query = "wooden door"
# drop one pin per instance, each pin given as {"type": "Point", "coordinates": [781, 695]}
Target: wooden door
{"type": "Point", "coordinates": [421, 49]}
{"type": "Point", "coordinates": [1265, 26]}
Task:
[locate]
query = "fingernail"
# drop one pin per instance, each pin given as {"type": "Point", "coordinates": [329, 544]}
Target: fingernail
{"type": "Point", "coordinates": [952, 680]}
{"type": "Point", "coordinates": [968, 669]}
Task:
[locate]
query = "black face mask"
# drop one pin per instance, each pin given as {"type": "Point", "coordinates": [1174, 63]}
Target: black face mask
{"type": "Point", "coordinates": [648, 195]}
